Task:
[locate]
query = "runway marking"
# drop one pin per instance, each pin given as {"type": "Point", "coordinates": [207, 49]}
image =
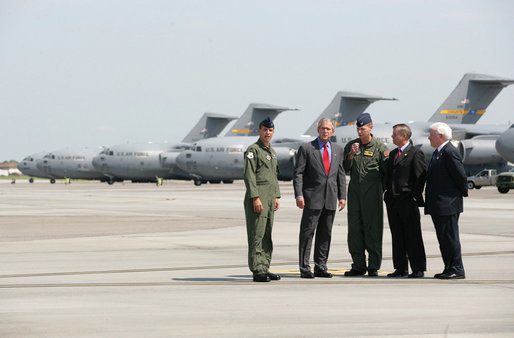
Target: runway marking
{"type": "Point", "coordinates": [248, 282]}
{"type": "Point", "coordinates": [214, 267]}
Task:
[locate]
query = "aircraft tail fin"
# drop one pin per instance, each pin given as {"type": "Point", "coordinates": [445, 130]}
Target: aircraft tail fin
{"type": "Point", "coordinates": [209, 125]}
{"type": "Point", "coordinates": [248, 123]}
{"type": "Point", "coordinates": [345, 108]}
{"type": "Point", "coordinates": [469, 100]}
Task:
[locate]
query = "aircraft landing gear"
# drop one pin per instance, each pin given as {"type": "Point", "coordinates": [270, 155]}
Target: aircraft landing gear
{"type": "Point", "coordinates": [31, 180]}
{"type": "Point", "coordinates": [198, 183]}
{"type": "Point", "coordinates": [52, 180]}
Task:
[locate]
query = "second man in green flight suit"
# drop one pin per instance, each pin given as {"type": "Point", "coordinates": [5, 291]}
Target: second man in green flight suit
{"type": "Point", "coordinates": [365, 160]}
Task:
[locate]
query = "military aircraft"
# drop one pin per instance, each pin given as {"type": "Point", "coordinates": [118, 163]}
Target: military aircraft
{"type": "Point", "coordinates": [218, 158]}
{"type": "Point", "coordinates": [221, 159]}
{"type": "Point", "coordinates": [505, 144]}
{"type": "Point", "coordinates": [245, 126]}
{"type": "Point", "coordinates": [141, 162]}
{"type": "Point", "coordinates": [461, 110]}
{"type": "Point", "coordinates": [28, 167]}
{"type": "Point", "coordinates": [70, 163]}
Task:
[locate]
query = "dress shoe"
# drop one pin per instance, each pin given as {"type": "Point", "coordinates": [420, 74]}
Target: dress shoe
{"type": "Point", "coordinates": [307, 274]}
{"type": "Point", "coordinates": [353, 273]}
{"type": "Point", "coordinates": [417, 274]}
{"type": "Point", "coordinates": [261, 278]}
{"type": "Point", "coordinates": [398, 273]}
{"type": "Point", "coordinates": [450, 275]}
{"type": "Point", "coordinates": [372, 273]}
{"type": "Point", "coordinates": [438, 275]}
{"type": "Point", "coordinates": [273, 276]}
{"type": "Point", "coordinates": [322, 273]}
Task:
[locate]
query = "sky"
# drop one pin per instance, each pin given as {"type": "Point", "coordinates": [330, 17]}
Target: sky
{"type": "Point", "coordinates": [99, 73]}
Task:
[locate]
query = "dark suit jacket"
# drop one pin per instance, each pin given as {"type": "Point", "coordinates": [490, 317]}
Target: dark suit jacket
{"type": "Point", "coordinates": [406, 175]}
{"type": "Point", "coordinates": [446, 183]}
{"type": "Point", "coordinates": [311, 181]}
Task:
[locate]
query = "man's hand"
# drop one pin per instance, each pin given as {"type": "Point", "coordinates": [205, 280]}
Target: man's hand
{"type": "Point", "coordinates": [342, 204]}
{"type": "Point", "coordinates": [257, 205]}
{"type": "Point", "coordinates": [277, 204]}
{"type": "Point", "coordinates": [300, 202]}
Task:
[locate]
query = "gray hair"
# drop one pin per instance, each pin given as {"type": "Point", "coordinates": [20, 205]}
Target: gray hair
{"type": "Point", "coordinates": [442, 129]}
{"type": "Point", "coordinates": [326, 119]}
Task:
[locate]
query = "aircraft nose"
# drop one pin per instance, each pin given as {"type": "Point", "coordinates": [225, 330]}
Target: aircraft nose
{"type": "Point", "coordinates": [181, 159]}
{"type": "Point", "coordinates": [168, 160]}
{"type": "Point", "coordinates": [41, 164]}
{"type": "Point", "coordinates": [504, 145]}
{"type": "Point", "coordinates": [97, 162]}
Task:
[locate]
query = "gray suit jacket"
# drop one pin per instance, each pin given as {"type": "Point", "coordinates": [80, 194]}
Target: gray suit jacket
{"type": "Point", "coordinates": [311, 181]}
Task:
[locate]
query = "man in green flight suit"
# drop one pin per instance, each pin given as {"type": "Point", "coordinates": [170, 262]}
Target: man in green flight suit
{"type": "Point", "coordinates": [365, 160]}
{"type": "Point", "coordinates": [261, 201]}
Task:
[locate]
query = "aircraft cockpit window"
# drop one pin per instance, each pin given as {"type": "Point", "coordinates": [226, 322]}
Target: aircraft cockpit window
{"type": "Point", "coordinates": [111, 153]}
{"type": "Point", "coordinates": [52, 157]}
{"type": "Point", "coordinates": [198, 148]}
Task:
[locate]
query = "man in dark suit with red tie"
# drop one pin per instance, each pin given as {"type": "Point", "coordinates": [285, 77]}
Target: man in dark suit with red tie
{"type": "Point", "coordinates": [446, 185]}
{"type": "Point", "coordinates": [406, 175]}
{"type": "Point", "coordinates": [319, 186]}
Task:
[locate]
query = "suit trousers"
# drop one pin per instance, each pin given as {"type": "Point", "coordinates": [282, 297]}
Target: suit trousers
{"type": "Point", "coordinates": [404, 222]}
{"type": "Point", "coordinates": [447, 230]}
{"type": "Point", "coordinates": [319, 221]}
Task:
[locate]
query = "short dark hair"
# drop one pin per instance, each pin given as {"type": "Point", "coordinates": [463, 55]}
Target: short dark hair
{"type": "Point", "coordinates": [403, 129]}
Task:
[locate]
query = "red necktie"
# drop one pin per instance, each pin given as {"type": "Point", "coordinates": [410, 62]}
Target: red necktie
{"type": "Point", "coordinates": [326, 159]}
{"type": "Point", "coordinates": [399, 153]}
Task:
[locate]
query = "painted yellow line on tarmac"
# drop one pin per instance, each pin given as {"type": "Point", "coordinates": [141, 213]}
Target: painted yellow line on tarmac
{"type": "Point", "coordinates": [215, 267]}
{"type": "Point", "coordinates": [348, 281]}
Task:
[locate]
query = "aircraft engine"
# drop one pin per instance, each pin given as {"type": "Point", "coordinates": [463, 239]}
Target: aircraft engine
{"type": "Point", "coordinates": [424, 144]}
{"type": "Point", "coordinates": [168, 160]}
{"type": "Point", "coordinates": [479, 150]}
{"type": "Point", "coordinates": [286, 163]}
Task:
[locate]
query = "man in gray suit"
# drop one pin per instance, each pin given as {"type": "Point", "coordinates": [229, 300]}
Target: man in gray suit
{"type": "Point", "coordinates": [319, 183]}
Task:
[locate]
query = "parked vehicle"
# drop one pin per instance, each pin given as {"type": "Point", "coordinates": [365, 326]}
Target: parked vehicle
{"type": "Point", "coordinates": [484, 177]}
{"type": "Point", "coordinates": [505, 181]}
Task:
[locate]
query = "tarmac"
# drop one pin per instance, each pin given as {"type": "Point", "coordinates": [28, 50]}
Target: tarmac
{"type": "Point", "coordinates": [136, 260]}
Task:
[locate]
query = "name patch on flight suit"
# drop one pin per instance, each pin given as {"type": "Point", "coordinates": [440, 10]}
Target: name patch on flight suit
{"type": "Point", "coordinates": [268, 157]}
{"type": "Point", "coordinates": [250, 155]}
{"type": "Point", "coordinates": [368, 153]}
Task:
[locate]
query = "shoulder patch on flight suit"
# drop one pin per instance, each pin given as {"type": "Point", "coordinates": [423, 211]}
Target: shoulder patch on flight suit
{"type": "Point", "coordinates": [386, 153]}
{"type": "Point", "coordinates": [249, 155]}
{"type": "Point", "coordinates": [368, 153]}
{"type": "Point", "coordinates": [273, 155]}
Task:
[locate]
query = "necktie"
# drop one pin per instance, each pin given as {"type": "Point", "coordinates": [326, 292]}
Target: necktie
{"type": "Point", "coordinates": [326, 159]}
{"type": "Point", "coordinates": [399, 153]}
{"type": "Point", "coordinates": [434, 155]}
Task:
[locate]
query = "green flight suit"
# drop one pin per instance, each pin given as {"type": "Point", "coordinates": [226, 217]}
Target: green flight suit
{"type": "Point", "coordinates": [260, 176]}
{"type": "Point", "coordinates": [365, 202]}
